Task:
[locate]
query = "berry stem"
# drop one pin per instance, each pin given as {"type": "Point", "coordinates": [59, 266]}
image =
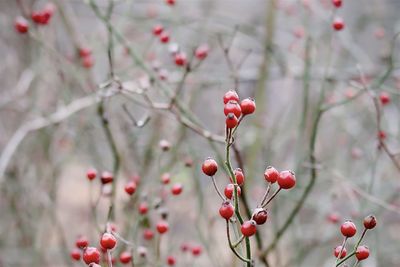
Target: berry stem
{"type": "Point", "coordinates": [272, 197]}
{"type": "Point", "coordinates": [238, 242]}
{"type": "Point", "coordinates": [265, 195]}
{"type": "Point", "coordinates": [356, 263]}
{"type": "Point", "coordinates": [217, 189]}
{"type": "Point", "coordinates": [109, 259]}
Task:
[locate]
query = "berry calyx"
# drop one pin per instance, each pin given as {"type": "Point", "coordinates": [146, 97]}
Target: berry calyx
{"type": "Point", "coordinates": [338, 24]}
{"type": "Point", "coordinates": [130, 187]}
{"type": "Point", "coordinates": [171, 261]}
{"type": "Point", "coordinates": [260, 216]}
{"type": "Point", "coordinates": [232, 107]}
{"type": "Point", "coordinates": [231, 121]}
{"type": "Point", "coordinates": [226, 210]}
{"type": "Point", "coordinates": [348, 229]}
{"type": "Point", "coordinates": [248, 106]}
{"type": "Point", "coordinates": [75, 254]}
{"type": "Point", "coordinates": [125, 257]}
{"type": "Point", "coordinates": [248, 228]}
{"type": "Point", "coordinates": [21, 25]}
{"type": "Point", "coordinates": [177, 189]}
{"type": "Point", "coordinates": [91, 255]}
{"type": "Point", "coordinates": [230, 189]}
{"type": "Point", "coordinates": [180, 59]}
{"type": "Point", "coordinates": [239, 176]}
{"type": "Point", "coordinates": [82, 242]}
{"type": "Point", "coordinates": [162, 227]}
{"type": "Point", "coordinates": [337, 250]}
{"type": "Point", "coordinates": [369, 222]}
{"type": "Point", "coordinates": [106, 177]}
{"type": "Point", "coordinates": [362, 253]}
{"type": "Point", "coordinates": [230, 95]}
{"type": "Point", "coordinates": [271, 174]}
{"type": "Point", "coordinates": [209, 167]}
{"type": "Point", "coordinates": [286, 180]}
{"type": "Point", "coordinates": [384, 98]}
{"type": "Point", "coordinates": [108, 241]}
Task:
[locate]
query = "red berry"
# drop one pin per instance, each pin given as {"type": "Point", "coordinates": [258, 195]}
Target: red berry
{"type": "Point", "coordinates": [91, 255]}
{"type": "Point", "coordinates": [231, 121]}
{"type": "Point", "coordinates": [21, 25]}
{"type": "Point", "coordinates": [248, 106]}
{"type": "Point", "coordinates": [385, 98]}
{"type": "Point", "coordinates": [170, 2]}
{"type": "Point", "coordinates": [87, 62]}
{"type": "Point", "coordinates": [158, 29]}
{"type": "Point", "coordinates": [201, 52]}
{"type": "Point", "coordinates": [176, 189]}
{"type": "Point", "coordinates": [143, 208]}
{"type": "Point", "coordinates": [165, 178]}
{"type": "Point", "coordinates": [125, 257]}
{"type": "Point", "coordinates": [260, 216]}
{"type": "Point", "coordinates": [171, 260]}
{"type": "Point", "coordinates": [231, 95]}
{"type": "Point", "coordinates": [230, 189]}
{"type": "Point", "coordinates": [180, 59]}
{"type": "Point", "coordinates": [337, 3]}
{"type": "Point", "coordinates": [362, 253]}
{"type": "Point", "coordinates": [271, 175]}
{"type": "Point", "coordinates": [130, 187]}
{"type": "Point", "coordinates": [248, 228]}
{"type": "Point", "coordinates": [75, 254]}
{"type": "Point", "coordinates": [286, 180]}
{"type": "Point", "coordinates": [232, 107]}
{"type": "Point", "coordinates": [162, 227]}
{"type": "Point", "coordinates": [226, 210]}
{"type": "Point", "coordinates": [197, 250]}
{"type": "Point", "coordinates": [108, 241]}
{"type": "Point", "coordinates": [369, 222]}
{"type": "Point", "coordinates": [148, 234]}
{"type": "Point", "coordinates": [84, 52]}
{"type": "Point", "coordinates": [239, 176]}
{"type": "Point", "coordinates": [82, 242]}
{"type": "Point", "coordinates": [338, 24]}
{"type": "Point", "coordinates": [106, 177]}
{"type": "Point", "coordinates": [209, 167]}
{"type": "Point", "coordinates": [38, 17]}
{"type": "Point", "coordinates": [164, 37]}
{"type": "Point", "coordinates": [348, 229]}
{"type": "Point", "coordinates": [91, 174]}
{"type": "Point", "coordinates": [337, 250]}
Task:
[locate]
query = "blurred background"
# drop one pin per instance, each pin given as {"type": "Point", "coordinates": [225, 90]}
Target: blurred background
{"type": "Point", "coordinates": [327, 108]}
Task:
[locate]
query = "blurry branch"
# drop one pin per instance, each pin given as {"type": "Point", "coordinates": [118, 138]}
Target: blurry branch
{"type": "Point", "coordinates": [141, 123]}
{"type": "Point", "coordinates": [60, 115]}
{"type": "Point", "coordinates": [20, 89]}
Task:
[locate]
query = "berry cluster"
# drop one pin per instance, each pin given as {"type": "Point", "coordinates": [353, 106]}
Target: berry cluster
{"type": "Point", "coordinates": [235, 110]}
{"type": "Point", "coordinates": [338, 23]}
{"type": "Point", "coordinates": [349, 230]}
{"type": "Point", "coordinates": [39, 17]}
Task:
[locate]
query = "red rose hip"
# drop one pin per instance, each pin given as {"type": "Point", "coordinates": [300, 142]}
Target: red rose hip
{"type": "Point", "coordinates": [108, 241]}
{"type": "Point", "coordinates": [248, 228]}
{"type": "Point", "coordinates": [91, 255]}
{"type": "Point", "coordinates": [230, 95]}
{"type": "Point", "coordinates": [348, 229]}
{"type": "Point", "coordinates": [286, 180]}
{"type": "Point", "coordinates": [209, 167]}
{"type": "Point", "coordinates": [226, 210]}
{"type": "Point", "coordinates": [271, 174]}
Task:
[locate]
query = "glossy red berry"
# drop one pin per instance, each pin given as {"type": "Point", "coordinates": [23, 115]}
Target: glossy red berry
{"type": "Point", "coordinates": [226, 210]}
{"type": "Point", "coordinates": [271, 174]}
{"type": "Point", "coordinates": [82, 242]}
{"type": "Point", "coordinates": [180, 59]}
{"type": "Point", "coordinates": [106, 177]}
{"type": "Point", "coordinates": [38, 17]}
{"type": "Point", "coordinates": [232, 107]}
{"type": "Point", "coordinates": [170, 2]}
{"type": "Point", "coordinates": [337, 3]}
{"type": "Point", "coordinates": [230, 189]}
{"type": "Point", "coordinates": [209, 167]}
{"type": "Point", "coordinates": [201, 52]}
{"type": "Point", "coordinates": [197, 250]}
{"type": "Point", "coordinates": [75, 254]}
{"type": "Point", "coordinates": [130, 187]}
{"type": "Point", "coordinates": [162, 227]}
{"type": "Point", "coordinates": [108, 241]}
{"type": "Point", "coordinates": [164, 37]}
{"type": "Point", "coordinates": [125, 257]}
{"type": "Point", "coordinates": [385, 98]}
{"type": "Point", "coordinates": [248, 106]}
{"type": "Point", "coordinates": [158, 29]}
{"type": "Point", "coordinates": [21, 25]}
{"type": "Point", "coordinates": [231, 121]}
{"type": "Point", "coordinates": [348, 229]}
{"type": "Point", "coordinates": [171, 261]}
{"type": "Point", "coordinates": [239, 176]}
{"type": "Point", "coordinates": [231, 95]}
{"type": "Point", "coordinates": [91, 174]}
{"type": "Point", "coordinates": [143, 208]}
{"type": "Point", "coordinates": [260, 216]}
{"type": "Point", "coordinates": [177, 189]}
{"type": "Point", "coordinates": [338, 24]}
{"type": "Point", "coordinates": [337, 250]}
{"type": "Point", "coordinates": [248, 228]}
{"type": "Point", "coordinates": [84, 51]}
{"type": "Point", "coordinates": [91, 255]}
{"type": "Point", "coordinates": [165, 178]}
{"type": "Point", "coordinates": [362, 253]}
{"type": "Point", "coordinates": [369, 222]}
{"type": "Point", "coordinates": [148, 234]}
{"type": "Point", "coordinates": [286, 180]}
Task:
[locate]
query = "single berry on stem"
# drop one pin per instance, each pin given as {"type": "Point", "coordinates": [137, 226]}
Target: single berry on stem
{"type": "Point", "coordinates": [130, 187]}
{"type": "Point", "coordinates": [125, 257]}
{"type": "Point", "coordinates": [209, 167]}
{"type": "Point", "coordinates": [271, 174]}
{"type": "Point", "coordinates": [369, 222]}
{"type": "Point", "coordinates": [362, 253]}
{"type": "Point", "coordinates": [338, 24]}
{"type": "Point", "coordinates": [286, 180]}
{"type": "Point", "coordinates": [108, 241]}
{"type": "Point", "coordinates": [248, 228]}
{"type": "Point", "coordinates": [231, 121]}
{"type": "Point", "coordinates": [260, 216]}
{"type": "Point", "coordinates": [91, 255]}
{"type": "Point", "coordinates": [230, 95]}
{"type": "Point", "coordinates": [177, 189]}
{"type": "Point", "coordinates": [226, 210]}
{"type": "Point", "coordinates": [162, 227]}
{"type": "Point", "coordinates": [232, 107]}
{"type": "Point", "coordinates": [348, 229]}
{"type": "Point", "coordinates": [239, 176]}
{"type": "Point", "coordinates": [337, 250]}
{"type": "Point", "coordinates": [230, 189]}
{"type": "Point", "coordinates": [248, 106]}
{"type": "Point", "coordinates": [82, 242]}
